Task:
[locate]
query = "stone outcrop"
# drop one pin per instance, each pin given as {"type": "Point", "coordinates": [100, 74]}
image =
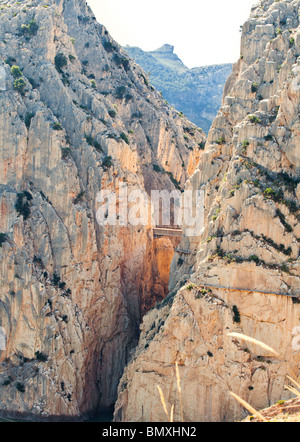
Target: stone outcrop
{"type": "Point", "coordinates": [77, 117]}
{"type": "Point", "coordinates": [196, 92]}
{"type": "Point", "coordinates": [242, 274]}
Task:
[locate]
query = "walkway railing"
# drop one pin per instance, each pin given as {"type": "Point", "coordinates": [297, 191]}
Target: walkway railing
{"type": "Point", "coordinates": [205, 286]}
{"type": "Point", "coordinates": [160, 231]}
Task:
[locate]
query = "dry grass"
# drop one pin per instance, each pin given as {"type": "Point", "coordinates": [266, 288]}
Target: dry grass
{"type": "Point", "coordinates": [163, 402]}
{"type": "Point", "coordinates": [263, 415]}
{"type": "Point", "coordinates": [248, 407]}
{"type": "Point", "coordinates": [253, 341]}
{"type": "Point", "coordinates": [170, 415]}
{"type": "Point", "coordinates": [278, 413]}
{"type": "Point", "coordinates": [179, 390]}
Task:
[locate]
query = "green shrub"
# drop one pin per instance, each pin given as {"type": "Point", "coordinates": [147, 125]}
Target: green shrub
{"type": "Point", "coordinates": [20, 387]}
{"type": "Point", "coordinates": [19, 85]}
{"type": "Point", "coordinates": [3, 238]}
{"type": "Point", "coordinates": [112, 113]}
{"type": "Point", "coordinates": [65, 152]}
{"type": "Point", "coordinates": [292, 42]}
{"type": "Point", "coordinates": [180, 262]}
{"type": "Point", "coordinates": [97, 146]}
{"type": "Point", "coordinates": [60, 61]}
{"type": "Point", "coordinates": [22, 205]}
{"type": "Point", "coordinates": [57, 126]}
{"type": "Point", "coordinates": [55, 280]}
{"type": "Point", "coordinates": [254, 87]}
{"type": "Point", "coordinates": [30, 29]}
{"type": "Point", "coordinates": [255, 259]}
{"type": "Point", "coordinates": [16, 71]}
{"type": "Point", "coordinates": [121, 61]}
{"type": "Point", "coordinates": [156, 168]}
{"type": "Point", "coordinates": [190, 287]}
{"type": "Point", "coordinates": [145, 80]}
{"type": "Point", "coordinates": [280, 402]}
{"type": "Point", "coordinates": [124, 137]}
{"type": "Point", "coordinates": [79, 198]}
{"type": "Point", "coordinates": [281, 216]}
{"type": "Point", "coordinates": [28, 119]}
{"type": "Point", "coordinates": [107, 163]}
{"type": "Point", "coordinates": [174, 181]}
{"type": "Point", "coordinates": [221, 141]}
{"type": "Point", "coordinates": [93, 84]}
{"type": "Point", "coordinates": [269, 192]}
{"type": "Point", "coordinates": [254, 119]}
{"type": "Point", "coordinates": [41, 356]}
{"type": "Point", "coordinates": [108, 46]}
{"type": "Point", "coordinates": [7, 381]}
{"type": "Point", "coordinates": [268, 137]}
{"type": "Point", "coordinates": [236, 315]}
{"type": "Point", "coordinates": [120, 92]}
{"type": "Point", "coordinates": [10, 61]}
{"type": "Point", "coordinates": [92, 142]}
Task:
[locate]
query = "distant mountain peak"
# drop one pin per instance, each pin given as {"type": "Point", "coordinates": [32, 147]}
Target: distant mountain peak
{"type": "Point", "coordinates": [196, 92]}
{"type": "Point", "coordinates": [166, 48]}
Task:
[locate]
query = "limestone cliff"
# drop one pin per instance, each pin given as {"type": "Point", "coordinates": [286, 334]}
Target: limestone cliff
{"type": "Point", "coordinates": [76, 117]}
{"type": "Point", "coordinates": [243, 273]}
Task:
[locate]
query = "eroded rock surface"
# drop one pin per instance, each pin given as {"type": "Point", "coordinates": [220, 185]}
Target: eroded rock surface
{"type": "Point", "coordinates": [245, 266]}
{"type": "Point", "coordinates": [76, 118]}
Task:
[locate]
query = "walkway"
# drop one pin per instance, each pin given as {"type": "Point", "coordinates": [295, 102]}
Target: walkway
{"type": "Point", "coordinates": [171, 231]}
{"type": "Point", "coordinates": [205, 286]}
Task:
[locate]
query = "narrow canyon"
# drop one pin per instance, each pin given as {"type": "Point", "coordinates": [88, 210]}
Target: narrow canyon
{"type": "Point", "coordinates": [93, 317]}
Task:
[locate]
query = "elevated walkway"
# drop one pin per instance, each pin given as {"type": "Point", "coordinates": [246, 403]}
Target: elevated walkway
{"type": "Point", "coordinates": [170, 231]}
{"type": "Point", "coordinates": [233, 289]}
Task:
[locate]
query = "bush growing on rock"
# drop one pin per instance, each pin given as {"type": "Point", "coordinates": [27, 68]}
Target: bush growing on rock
{"type": "Point", "coordinates": [22, 205]}
{"type": "Point", "coordinates": [108, 46]}
{"type": "Point", "coordinates": [57, 126]}
{"type": "Point", "coordinates": [16, 71]}
{"type": "Point", "coordinates": [254, 119]}
{"type": "Point", "coordinates": [236, 315]}
{"type": "Point", "coordinates": [41, 356]}
{"type": "Point", "coordinates": [3, 238]}
{"type": "Point", "coordinates": [107, 163]}
{"type": "Point", "coordinates": [31, 29]}
{"type": "Point", "coordinates": [28, 119]}
{"type": "Point", "coordinates": [60, 61]}
{"type": "Point", "coordinates": [19, 85]}
{"type": "Point", "coordinates": [20, 387]}
{"type": "Point", "coordinates": [124, 137]}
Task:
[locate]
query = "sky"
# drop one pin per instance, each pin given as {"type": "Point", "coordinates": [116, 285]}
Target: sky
{"type": "Point", "coordinates": [203, 31]}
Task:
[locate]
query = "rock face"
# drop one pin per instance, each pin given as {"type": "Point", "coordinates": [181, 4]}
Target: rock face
{"type": "Point", "coordinates": [197, 92]}
{"type": "Point", "coordinates": [244, 269]}
{"type": "Point", "coordinates": [77, 117]}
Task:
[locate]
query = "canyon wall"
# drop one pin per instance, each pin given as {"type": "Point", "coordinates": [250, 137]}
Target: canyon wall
{"type": "Point", "coordinates": [242, 273]}
{"type": "Point", "coordinates": [76, 117]}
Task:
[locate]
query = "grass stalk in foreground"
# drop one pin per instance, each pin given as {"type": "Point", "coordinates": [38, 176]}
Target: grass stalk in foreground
{"type": "Point", "coordinates": [265, 347]}
{"type": "Point", "coordinates": [179, 390]}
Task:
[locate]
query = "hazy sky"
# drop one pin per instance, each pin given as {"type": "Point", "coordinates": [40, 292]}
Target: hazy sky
{"type": "Point", "coordinates": [202, 31]}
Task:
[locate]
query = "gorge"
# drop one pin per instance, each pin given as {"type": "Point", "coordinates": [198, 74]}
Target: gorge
{"type": "Point", "coordinates": [95, 317]}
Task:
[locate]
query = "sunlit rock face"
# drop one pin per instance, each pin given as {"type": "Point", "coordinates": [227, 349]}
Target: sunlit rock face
{"type": "Point", "coordinates": [77, 117]}
{"type": "Point", "coordinates": [242, 273]}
